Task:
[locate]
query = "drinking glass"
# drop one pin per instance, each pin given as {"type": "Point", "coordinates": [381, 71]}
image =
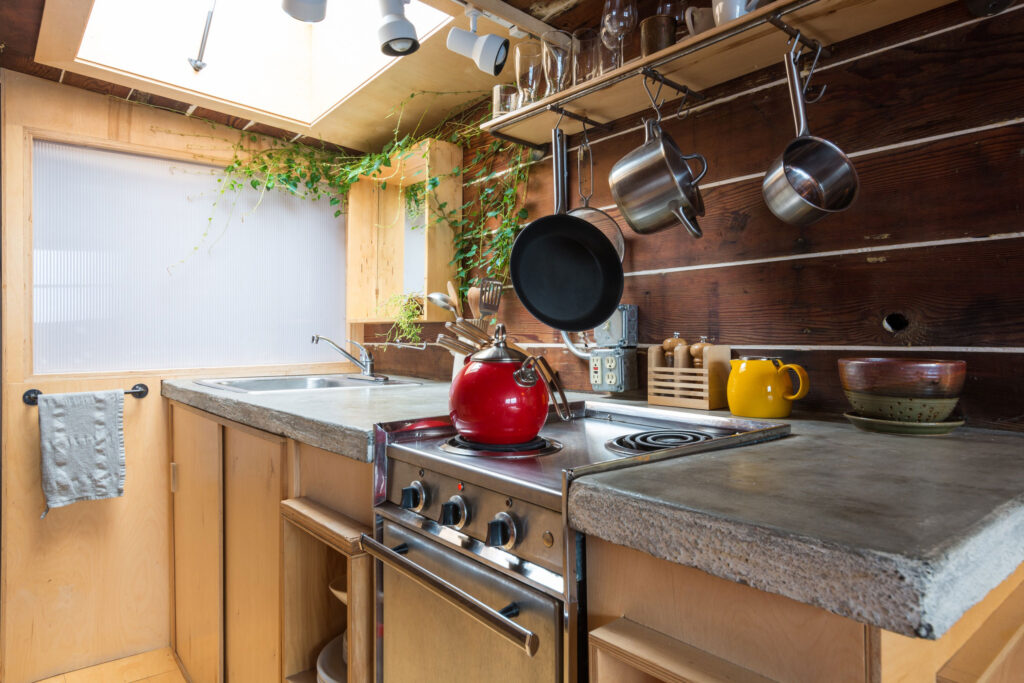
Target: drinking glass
{"type": "Point", "coordinates": [675, 9]}
{"type": "Point", "coordinates": [608, 53]}
{"type": "Point", "coordinates": [528, 62]}
{"type": "Point", "coordinates": [557, 51]}
{"type": "Point", "coordinates": [617, 22]}
{"type": "Point", "coordinates": [586, 60]}
{"type": "Point", "coordinates": [504, 98]}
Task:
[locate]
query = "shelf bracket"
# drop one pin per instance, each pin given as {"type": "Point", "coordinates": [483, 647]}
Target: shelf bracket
{"type": "Point", "coordinates": [811, 44]}
{"type": "Point", "coordinates": [561, 111]}
{"type": "Point", "coordinates": [543, 149]}
{"type": "Point", "coordinates": [683, 90]}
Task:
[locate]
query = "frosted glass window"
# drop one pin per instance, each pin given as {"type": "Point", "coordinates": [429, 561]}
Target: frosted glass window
{"type": "Point", "coordinates": [123, 278]}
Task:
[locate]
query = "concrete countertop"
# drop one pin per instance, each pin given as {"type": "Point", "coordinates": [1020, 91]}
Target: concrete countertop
{"type": "Point", "coordinates": [337, 420]}
{"type": "Point", "coordinates": [904, 533]}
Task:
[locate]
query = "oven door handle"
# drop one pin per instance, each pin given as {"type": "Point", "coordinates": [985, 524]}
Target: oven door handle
{"type": "Point", "coordinates": [520, 637]}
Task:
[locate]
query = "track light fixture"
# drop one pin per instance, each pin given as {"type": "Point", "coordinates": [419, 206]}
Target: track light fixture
{"type": "Point", "coordinates": [397, 35]}
{"type": "Point", "coordinates": [305, 10]}
{"type": "Point", "coordinates": [488, 51]}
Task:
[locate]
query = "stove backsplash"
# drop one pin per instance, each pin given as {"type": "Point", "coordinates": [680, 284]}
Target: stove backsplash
{"type": "Point", "coordinates": [919, 110]}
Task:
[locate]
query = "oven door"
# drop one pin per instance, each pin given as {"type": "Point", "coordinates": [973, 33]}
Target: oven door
{"type": "Point", "coordinates": [449, 618]}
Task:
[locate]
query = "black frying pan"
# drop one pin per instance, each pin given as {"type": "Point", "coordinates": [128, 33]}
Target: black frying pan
{"type": "Point", "coordinates": [566, 273]}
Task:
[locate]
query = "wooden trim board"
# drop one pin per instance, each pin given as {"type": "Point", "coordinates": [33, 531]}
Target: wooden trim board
{"type": "Point", "coordinates": [334, 529]}
{"type": "Point", "coordinates": [663, 657]}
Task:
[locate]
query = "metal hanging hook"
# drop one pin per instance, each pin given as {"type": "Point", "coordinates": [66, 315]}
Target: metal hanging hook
{"type": "Point", "coordinates": [680, 113]}
{"type": "Point", "coordinates": [810, 75]}
{"type": "Point", "coordinates": [796, 53]}
{"type": "Point", "coordinates": [654, 97]}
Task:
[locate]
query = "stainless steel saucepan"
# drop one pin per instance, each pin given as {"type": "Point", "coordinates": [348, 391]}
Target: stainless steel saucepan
{"type": "Point", "coordinates": [812, 177]}
{"type": "Point", "coordinates": [654, 187]}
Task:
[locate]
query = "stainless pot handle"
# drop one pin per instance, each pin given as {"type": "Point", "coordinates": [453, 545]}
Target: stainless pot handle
{"type": "Point", "coordinates": [702, 160]}
{"type": "Point", "coordinates": [796, 95]}
{"type": "Point", "coordinates": [689, 223]}
{"type": "Point", "coordinates": [493, 619]}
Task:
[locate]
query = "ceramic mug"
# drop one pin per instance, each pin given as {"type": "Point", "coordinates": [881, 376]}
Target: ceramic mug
{"type": "Point", "coordinates": [727, 10]}
{"type": "Point", "coordinates": [699, 19]}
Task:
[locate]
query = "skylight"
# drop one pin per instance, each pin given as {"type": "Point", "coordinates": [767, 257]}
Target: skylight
{"type": "Point", "coordinates": [257, 56]}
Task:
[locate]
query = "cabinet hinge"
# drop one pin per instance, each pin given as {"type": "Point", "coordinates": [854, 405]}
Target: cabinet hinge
{"type": "Point", "coordinates": [174, 477]}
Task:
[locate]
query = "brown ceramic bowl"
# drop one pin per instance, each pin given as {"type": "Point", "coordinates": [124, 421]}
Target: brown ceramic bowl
{"type": "Point", "coordinates": [903, 377]}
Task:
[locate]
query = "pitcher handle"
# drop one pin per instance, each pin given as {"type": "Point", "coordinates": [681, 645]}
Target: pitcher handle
{"type": "Point", "coordinates": [702, 160]}
{"type": "Point", "coordinates": [801, 375]}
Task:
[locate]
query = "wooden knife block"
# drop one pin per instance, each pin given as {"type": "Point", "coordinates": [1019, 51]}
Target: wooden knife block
{"type": "Point", "coordinates": [686, 387]}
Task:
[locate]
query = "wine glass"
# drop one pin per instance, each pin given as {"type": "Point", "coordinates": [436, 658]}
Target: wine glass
{"type": "Point", "coordinates": [618, 21]}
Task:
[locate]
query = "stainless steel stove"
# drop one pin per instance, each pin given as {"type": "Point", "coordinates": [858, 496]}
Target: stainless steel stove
{"type": "Point", "coordinates": [473, 544]}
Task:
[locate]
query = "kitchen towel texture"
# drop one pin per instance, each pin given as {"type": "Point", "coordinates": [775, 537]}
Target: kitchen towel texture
{"type": "Point", "coordinates": [81, 438]}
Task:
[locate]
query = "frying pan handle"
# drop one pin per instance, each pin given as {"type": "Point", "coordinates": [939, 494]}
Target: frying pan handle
{"type": "Point", "coordinates": [691, 225]}
{"type": "Point", "coordinates": [554, 386]}
{"type": "Point", "coordinates": [702, 160]}
{"type": "Point", "coordinates": [559, 168]}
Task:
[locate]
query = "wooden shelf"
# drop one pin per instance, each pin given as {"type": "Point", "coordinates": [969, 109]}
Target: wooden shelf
{"type": "Point", "coordinates": [330, 527]}
{"type": "Point", "coordinates": [625, 651]}
{"type": "Point", "coordinates": [721, 54]}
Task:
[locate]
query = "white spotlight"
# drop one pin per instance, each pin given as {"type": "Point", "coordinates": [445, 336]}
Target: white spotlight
{"type": "Point", "coordinates": [488, 51]}
{"type": "Point", "coordinates": [397, 35]}
{"type": "Point", "coordinates": [306, 10]}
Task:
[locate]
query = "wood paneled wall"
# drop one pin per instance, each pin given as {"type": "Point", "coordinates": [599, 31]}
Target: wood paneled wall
{"type": "Point", "coordinates": [930, 111]}
{"type": "Point", "coordinates": [92, 581]}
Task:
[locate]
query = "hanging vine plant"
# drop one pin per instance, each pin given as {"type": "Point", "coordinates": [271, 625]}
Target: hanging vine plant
{"type": "Point", "coordinates": [485, 226]}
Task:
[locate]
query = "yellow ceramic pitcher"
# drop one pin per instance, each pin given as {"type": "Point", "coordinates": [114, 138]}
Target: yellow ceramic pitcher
{"type": "Point", "coordinates": [760, 387]}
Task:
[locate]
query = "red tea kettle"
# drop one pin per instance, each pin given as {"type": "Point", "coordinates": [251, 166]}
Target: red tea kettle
{"type": "Point", "coordinates": [497, 398]}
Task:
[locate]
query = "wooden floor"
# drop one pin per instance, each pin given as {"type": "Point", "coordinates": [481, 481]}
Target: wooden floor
{"type": "Point", "coordinates": [156, 666]}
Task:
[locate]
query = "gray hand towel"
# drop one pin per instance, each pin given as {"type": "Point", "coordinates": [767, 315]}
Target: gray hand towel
{"type": "Point", "coordinates": [81, 438]}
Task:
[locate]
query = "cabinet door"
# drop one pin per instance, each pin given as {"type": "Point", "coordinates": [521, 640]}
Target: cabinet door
{"type": "Point", "coordinates": [254, 482]}
{"type": "Point", "coordinates": [198, 545]}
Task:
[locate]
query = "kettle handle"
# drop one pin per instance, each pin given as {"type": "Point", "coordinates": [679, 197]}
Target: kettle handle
{"type": "Point", "coordinates": [801, 375]}
{"type": "Point", "coordinates": [558, 398]}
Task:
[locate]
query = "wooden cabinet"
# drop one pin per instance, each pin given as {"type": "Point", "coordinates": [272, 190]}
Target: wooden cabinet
{"type": "Point", "coordinates": [652, 620]}
{"type": "Point", "coordinates": [197, 482]}
{"type": "Point", "coordinates": [387, 253]}
{"type": "Point", "coordinates": [251, 573]}
{"type": "Point", "coordinates": [228, 482]}
{"type": "Point", "coordinates": [321, 548]}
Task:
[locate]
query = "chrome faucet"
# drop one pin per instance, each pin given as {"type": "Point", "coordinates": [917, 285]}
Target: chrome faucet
{"type": "Point", "coordinates": [364, 362]}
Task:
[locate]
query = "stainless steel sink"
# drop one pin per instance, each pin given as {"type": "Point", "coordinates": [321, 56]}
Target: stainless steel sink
{"type": "Point", "coordinates": [262, 385]}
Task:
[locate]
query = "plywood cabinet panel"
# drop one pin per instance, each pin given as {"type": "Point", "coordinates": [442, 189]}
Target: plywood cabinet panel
{"type": "Point", "coordinates": [198, 545]}
{"type": "Point", "coordinates": [254, 482]}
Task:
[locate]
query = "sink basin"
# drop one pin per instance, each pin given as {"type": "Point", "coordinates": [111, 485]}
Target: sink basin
{"type": "Point", "coordinates": [262, 385]}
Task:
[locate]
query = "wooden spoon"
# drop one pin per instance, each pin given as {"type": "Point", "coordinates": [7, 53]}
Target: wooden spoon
{"type": "Point", "coordinates": [473, 303]}
{"type": "Point", "coordinates": [454, 294]}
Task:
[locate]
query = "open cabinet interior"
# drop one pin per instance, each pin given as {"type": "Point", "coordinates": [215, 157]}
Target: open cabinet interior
{"type": "Point", "coordinates": [327, 591]}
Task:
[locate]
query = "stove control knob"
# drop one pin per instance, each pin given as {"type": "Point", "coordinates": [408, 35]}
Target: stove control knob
{"type": "Point", "coordinates": [501, 531]}
{"type": "Point", "coordinates": [454, 512]}
{"type": "Point", "coordinates": [414, 497]}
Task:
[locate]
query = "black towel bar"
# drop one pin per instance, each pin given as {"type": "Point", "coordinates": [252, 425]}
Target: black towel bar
{"type": "Point", "coordinates": [31, 397]}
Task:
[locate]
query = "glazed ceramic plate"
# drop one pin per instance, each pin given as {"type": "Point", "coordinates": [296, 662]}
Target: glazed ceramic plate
{"type": "Point", "coordinates": [871, 424]}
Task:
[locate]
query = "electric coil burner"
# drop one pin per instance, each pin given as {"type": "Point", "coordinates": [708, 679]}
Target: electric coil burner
{"type": "Point", "coordinates": [474, 536]}
{"type": "Point", "coordinates": [656, 440]}
{"type": "Point", "coordinates": [531, 449]}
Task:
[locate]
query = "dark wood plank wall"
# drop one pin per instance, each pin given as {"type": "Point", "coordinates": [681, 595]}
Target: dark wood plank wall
{"type": "Point", "coordinates": [931, 110]}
